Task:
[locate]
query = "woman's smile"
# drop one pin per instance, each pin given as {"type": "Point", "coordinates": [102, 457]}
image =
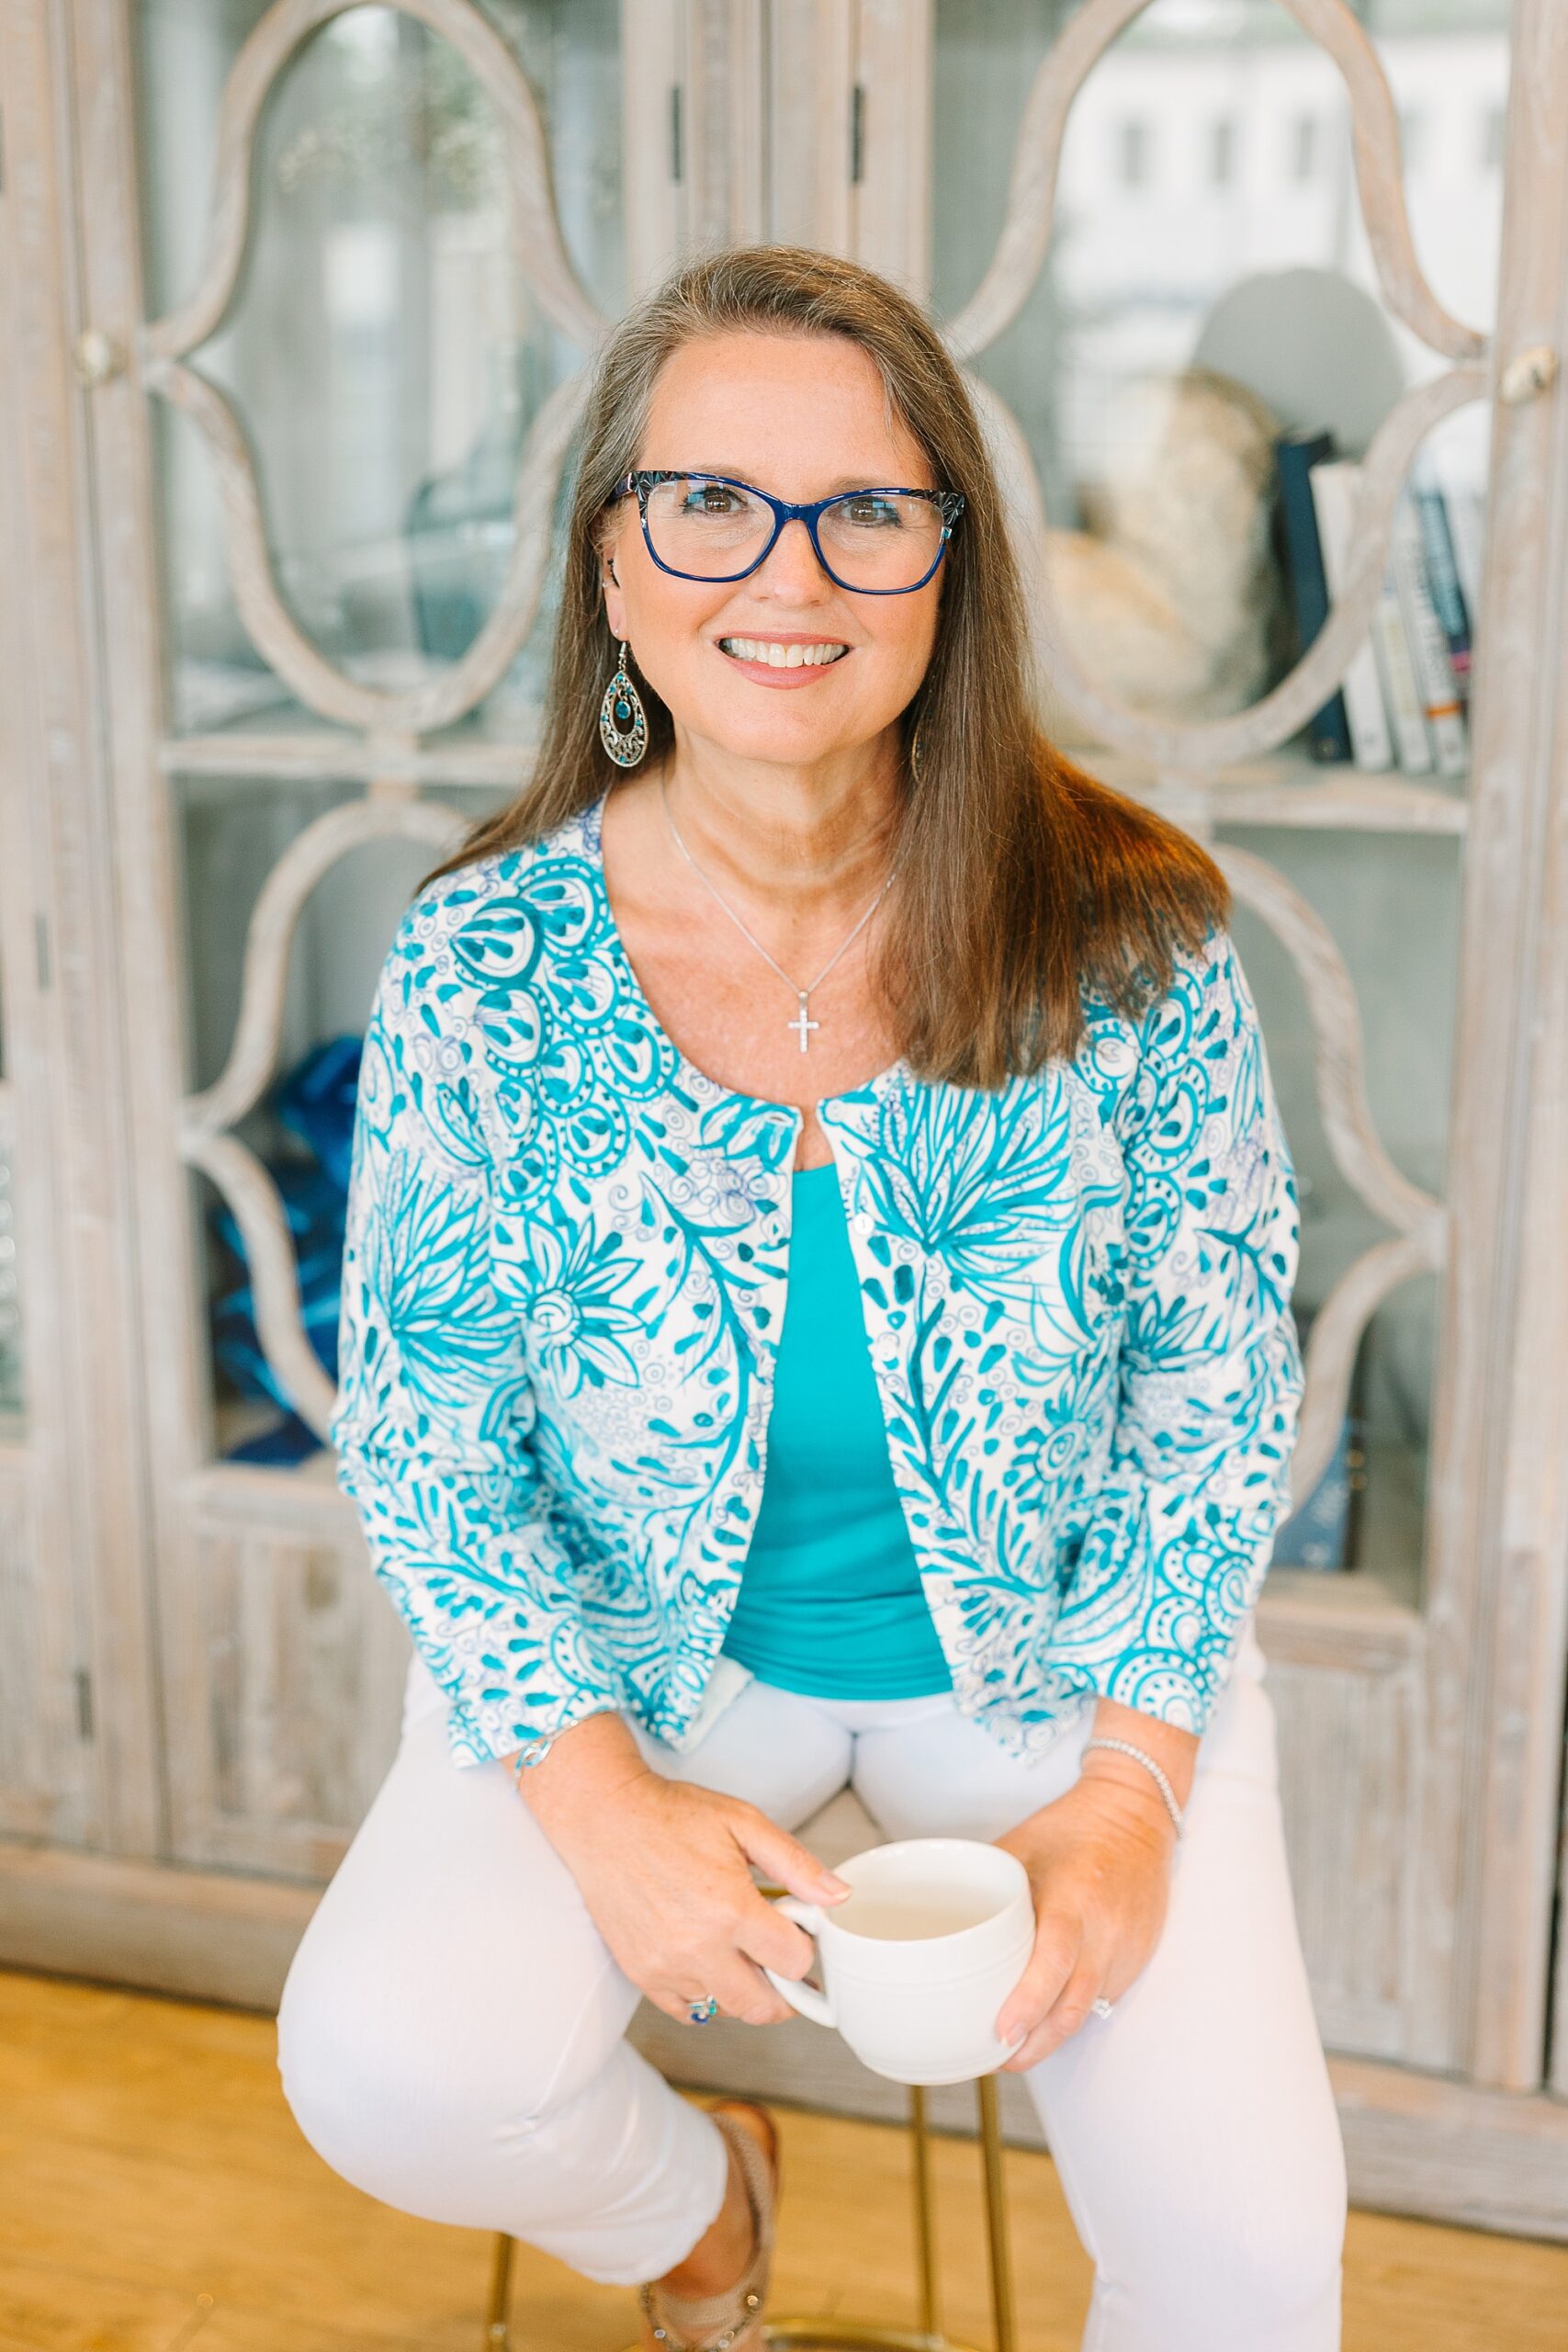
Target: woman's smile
{"type": "Point", "coordinates": [787, 659]}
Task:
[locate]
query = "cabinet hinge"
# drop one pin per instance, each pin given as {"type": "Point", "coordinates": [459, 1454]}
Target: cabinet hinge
{"type": "Point", "coordinates": [677, 162]}
{"type": "Point", "coordinates": [857, 135]}
{"type": "Point", "coordinates": [84, 1703]}
{"type": "Point", "coordinates": [40, 951]}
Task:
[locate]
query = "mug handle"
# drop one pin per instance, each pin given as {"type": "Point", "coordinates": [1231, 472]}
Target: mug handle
{"type": "Point", "coordinates": [804, 1998]}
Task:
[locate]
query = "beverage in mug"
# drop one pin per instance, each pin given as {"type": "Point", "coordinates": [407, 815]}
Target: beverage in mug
{"type": "Point", "coordinates": [919, 1956]}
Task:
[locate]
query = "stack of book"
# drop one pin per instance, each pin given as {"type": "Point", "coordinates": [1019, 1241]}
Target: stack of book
{"type": "Point", "coordinates": [1405, 701]}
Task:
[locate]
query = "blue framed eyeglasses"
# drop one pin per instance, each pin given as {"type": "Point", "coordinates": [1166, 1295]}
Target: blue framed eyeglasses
{"type": "Point", "coordinates": [879, 542]}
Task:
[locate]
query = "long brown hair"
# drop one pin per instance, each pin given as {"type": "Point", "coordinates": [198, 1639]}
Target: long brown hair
{"type": "Point", "coordinates": [1021, 877]}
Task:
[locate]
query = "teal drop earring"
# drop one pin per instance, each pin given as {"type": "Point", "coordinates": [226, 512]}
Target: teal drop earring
{"type": "Point", "coordinates": [623, 722]}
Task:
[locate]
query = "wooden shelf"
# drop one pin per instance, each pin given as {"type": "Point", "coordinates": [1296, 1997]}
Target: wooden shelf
{"type": "Point", "coordinates": [1347, 1622]}
{"type": "Point", "coordinates": [1288, 787]}
{"type": "Point", "coordinates": [1285, 788]}
{"type": "Point", "coordinates": [304, 752]}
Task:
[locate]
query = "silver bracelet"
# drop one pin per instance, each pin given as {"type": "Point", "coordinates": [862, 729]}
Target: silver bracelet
{"type": "Point", "coordinates": [1126, 1747]}
{"type": "Point", "coordinates": [532, 1752]}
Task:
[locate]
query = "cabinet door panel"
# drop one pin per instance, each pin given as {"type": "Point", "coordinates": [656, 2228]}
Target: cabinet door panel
{"type": "Point", "coordinates": [355, 420]}
{"type": "Point", "coordinates": [1181, 238]}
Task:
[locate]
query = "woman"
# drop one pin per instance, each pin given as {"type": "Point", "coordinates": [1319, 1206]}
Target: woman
{"type": "Point", "coordinates": [816, 1309]}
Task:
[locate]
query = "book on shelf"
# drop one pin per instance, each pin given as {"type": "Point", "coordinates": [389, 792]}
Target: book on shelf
{"type": "Point", "coordinates": [1443, 583]}
{"type": "Point", "coordinates": [1406, 711]}
{"type": "Point", "coordinates": [1404, 698]}
{"type": "Point", "coordinates": [1328, 730]}
{"type": "Point", "coordinates": [1467, 510]}
{"type": "Point", "coordinates": [1441, 698]}
{"type": "Point", "coordinates": [1336, 487]}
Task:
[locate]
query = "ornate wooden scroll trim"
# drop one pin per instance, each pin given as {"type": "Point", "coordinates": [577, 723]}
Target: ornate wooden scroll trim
{"type": "Point", "coordinates": [1026, 230]}
{"type": "Point", "coordinates": [253, 1055]}
{"type": "Point", "coordinates": [279, 637]}
{"type": "Point", "coordinates": [1353, 1140]}
{"type": "Point", "coordinates": [1420, 1242]}
{"type": "Point", "coordinates": [283, 29]}
{"type": "Point", "coordinates": [1337, 1330]}
{"type": "Point", "coordinates": [275, 1282]}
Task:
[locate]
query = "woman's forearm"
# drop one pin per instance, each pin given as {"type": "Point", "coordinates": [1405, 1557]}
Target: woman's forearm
{"type": "Point", "coordinates": [581, 1769]}
{"type": "Point", "coordinates": [1175, 1752]}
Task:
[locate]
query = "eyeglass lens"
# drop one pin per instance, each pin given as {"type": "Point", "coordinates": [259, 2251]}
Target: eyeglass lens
{"type": "Point", "coordinates": [874, 538]}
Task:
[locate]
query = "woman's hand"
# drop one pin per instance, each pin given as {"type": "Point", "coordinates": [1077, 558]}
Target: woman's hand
{"type": "Point", "coordinates": [664, 1867]}
{"type": "Point", "coordinates": [1098, 1864]}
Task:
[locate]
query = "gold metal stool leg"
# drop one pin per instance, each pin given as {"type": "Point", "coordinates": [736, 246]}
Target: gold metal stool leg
{"type": "Point", "coordinates": [846, 2335]}
{"type": "Point", "coordinates": [925, 2210]}
{"type": "Point", "coordinates": [1004, 2318]}
{"type": "Point", "coordinates": [498, 2322]}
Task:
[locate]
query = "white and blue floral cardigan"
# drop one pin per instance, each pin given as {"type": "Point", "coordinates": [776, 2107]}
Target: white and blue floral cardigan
{"type": "Point", "coordinates": [564, 1282]}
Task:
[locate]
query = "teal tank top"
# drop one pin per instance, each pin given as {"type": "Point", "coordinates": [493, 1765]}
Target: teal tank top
{"type": "Point", "coordinates": [831, 1600]}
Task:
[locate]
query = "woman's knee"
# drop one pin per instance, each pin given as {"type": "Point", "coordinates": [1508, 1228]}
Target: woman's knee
{"type": "Point", "coordinates": [1276, 2258]}
{"type": "Point", "coordinates": [1241, 2256]}
{"type": "Point", "coordinates": [358, 2077]}
{"type": "Point", "coordinates": [392, 2071]}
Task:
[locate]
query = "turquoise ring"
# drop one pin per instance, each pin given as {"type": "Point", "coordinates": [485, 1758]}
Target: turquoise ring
{"type": "Point", "coordinates": [703, 2011]}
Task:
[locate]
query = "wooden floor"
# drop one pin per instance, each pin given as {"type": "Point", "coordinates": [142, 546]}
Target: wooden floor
{"type": "Point", "coordinates": [157, 2198]}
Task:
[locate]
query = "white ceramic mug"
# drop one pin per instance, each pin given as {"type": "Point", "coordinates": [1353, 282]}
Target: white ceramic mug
{"type": "Point", "coordinates": [919, 1957]}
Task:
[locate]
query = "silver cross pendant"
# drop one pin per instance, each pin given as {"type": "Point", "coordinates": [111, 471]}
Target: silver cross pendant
{"type": "Point", "coordinates": [801, 1023]}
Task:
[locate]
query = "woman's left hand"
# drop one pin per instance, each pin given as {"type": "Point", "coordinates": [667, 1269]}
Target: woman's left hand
{"type": "Point", "coordinates": [1098, 1864]}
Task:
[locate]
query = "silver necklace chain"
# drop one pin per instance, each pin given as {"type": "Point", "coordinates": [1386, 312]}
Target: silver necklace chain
{"type": "Point", "coordinates": [802, 1022]}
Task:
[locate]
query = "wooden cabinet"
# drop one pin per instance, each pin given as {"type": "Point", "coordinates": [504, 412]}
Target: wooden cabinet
{"type": "Point", "coordinates": [300, 300]}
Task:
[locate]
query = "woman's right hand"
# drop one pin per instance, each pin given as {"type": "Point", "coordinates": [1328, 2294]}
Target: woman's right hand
{"type": "Point", "coordinates": [664, 1867]}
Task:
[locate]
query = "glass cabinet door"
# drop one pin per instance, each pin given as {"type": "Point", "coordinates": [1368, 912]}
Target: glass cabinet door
{"type": "Point", "coordinates": [1156, 251]}
{"type": "Point", "coordinates": [386, 349]}
{"type": "Point", "coordinates": [1208, 287]}
{"type": "Point", "coordinates": [376, 246]}
{"type": "Point", "coordinates": [342, 485]}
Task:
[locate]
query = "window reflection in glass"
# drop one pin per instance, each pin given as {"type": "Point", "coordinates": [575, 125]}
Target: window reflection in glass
{"type": "Point", "coordinates": [1209, 150]}
{"type": "Point", "coordinates": [385, 353]}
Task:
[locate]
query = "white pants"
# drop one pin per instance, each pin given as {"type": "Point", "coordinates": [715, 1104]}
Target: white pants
{"type": "Point", "coordinates": [451, 2035]}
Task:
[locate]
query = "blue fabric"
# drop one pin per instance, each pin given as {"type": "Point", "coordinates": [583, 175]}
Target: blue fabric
{"type": "Point", "coordinates": [565, 1277]}
{"type": "Point", "coordinates": [830, 1596]}
{"type": "Point", "coordinates": [315, 1100]}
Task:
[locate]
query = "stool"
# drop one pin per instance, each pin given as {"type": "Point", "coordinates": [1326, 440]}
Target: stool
{"type": "Point", "coordinates": [827, 2334]}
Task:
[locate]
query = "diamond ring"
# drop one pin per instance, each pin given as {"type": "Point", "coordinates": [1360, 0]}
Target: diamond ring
{"type": "Point", "coordinates": [1101, 2008]}
{"type": "Point", "coordinates": [702, 2012]}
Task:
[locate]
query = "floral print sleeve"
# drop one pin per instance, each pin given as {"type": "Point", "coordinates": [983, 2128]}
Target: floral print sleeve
{"type": "Point", "coordinates": [1180, 1530]}
{"type": "Point", "coordinates": [435, 1414]}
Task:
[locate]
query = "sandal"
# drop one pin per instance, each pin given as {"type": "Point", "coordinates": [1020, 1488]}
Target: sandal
{"type": "Point", "coordinates": [731, 2321]}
